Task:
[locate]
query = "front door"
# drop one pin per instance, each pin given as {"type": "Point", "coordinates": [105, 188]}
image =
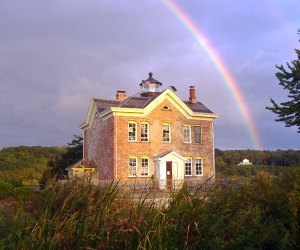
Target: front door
{"type": "Point", "coordinates": [169, 174]}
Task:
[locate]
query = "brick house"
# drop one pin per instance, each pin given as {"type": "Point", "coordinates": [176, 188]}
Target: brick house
{"type": "Point", "coordinates": [153, 134]}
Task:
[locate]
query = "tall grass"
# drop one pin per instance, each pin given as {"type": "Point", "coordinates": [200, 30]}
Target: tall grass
{"type": "Point", "coordinates": [78, 215]}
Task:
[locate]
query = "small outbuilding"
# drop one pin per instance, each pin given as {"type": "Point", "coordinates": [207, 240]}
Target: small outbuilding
{"type": "Point", "coordinates": [245, 162]}
{"type": "Point", "coordinates": [82, 168]}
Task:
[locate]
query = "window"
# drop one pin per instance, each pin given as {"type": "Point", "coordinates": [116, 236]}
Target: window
{"type": "Point", "coordinates": [198, 137]}
{"type": "Point", "coordinates": [166, 133]}
{"type": "Point", "coordinates": [145, 131]}
{"type": "Point", "coordinates": [145, 166]}
{"type": "Point", "coordinates": [166, 108]}
{"type": "Point", "coordinates": [188, 166]}
{"type": "Point", "coordinates": [199, 166]}
{"type": "Point", "coordinates": [187, 133]}
{"type": "Point", "coordinates": [132, 166]}
{"type": "Point", "coordinates": [132, 131]}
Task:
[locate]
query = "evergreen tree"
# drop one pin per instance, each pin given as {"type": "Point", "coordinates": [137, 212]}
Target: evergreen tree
{"type": "Point", "coordinates": [289, 79]}
{"type": "Point", "coordinates": [57, 166]}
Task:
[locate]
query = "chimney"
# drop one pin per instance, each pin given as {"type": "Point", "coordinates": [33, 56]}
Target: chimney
{"type": "Point", "coordinates": [193, 98]}
{"type": "Point", "coordinates": [121, 95]}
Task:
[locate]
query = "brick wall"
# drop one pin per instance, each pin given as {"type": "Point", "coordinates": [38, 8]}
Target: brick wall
{"type": "Point", "coordinates": [99, 146]}
{"type": "Point", "coordinates": [156, 119]}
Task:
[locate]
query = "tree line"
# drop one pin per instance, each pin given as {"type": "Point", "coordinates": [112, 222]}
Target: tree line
{"type": "Point", "coordinates": [258, 157]}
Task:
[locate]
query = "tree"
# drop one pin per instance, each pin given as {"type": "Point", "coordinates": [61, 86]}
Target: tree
{"type": "Point", "coordinates": [289, 111]}
{"type": "Point", "coordinates": [57, 166]}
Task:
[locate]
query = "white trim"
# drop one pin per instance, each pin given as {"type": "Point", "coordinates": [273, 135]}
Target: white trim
{"type": "Point", "coordinates": [136, 130]}
{"type": "Point", "coordinates": [198, 157]}
{"type": "Point", "coordinates": [148, 131]}
{"type": "Point", "coordinates": [90, 115]}
{"type": "Point", "coordinates": [213, 143]}
{"type": "Point", "coordinates": [142, 112]}
{"type": "Point", "coordinates": [136, 166]}
{"type": "Point", "coordinates": [116, 148]}
{"type": "Point", "coordinates": [170, 138]}
{"type": "Point", "coordinates": [198, 125]}
{"type": "Point", "coordinates": [190, 133]}
{"type": "Point", "coordinates": [188, 158]}
{"type": "Point", "coordinates": [148, 172]}
{"type": "Point", "coordinates": [167, 155]}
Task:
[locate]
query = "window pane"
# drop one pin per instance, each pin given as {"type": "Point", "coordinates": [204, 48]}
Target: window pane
{"type": "Point", "coordinates": [187, 133]}
{"type": "Point", "coordinates": [144, 132]}
{"type": "Point", "coordinates": [197, 134]}
{"type": "Point", "coordinates": [132, 167]}
{"type": "Point", "coordinates": [132, 131]}
{"type": "Point", "coordinates": [198, 166]}
{"type": "Point", "coordinates": [145, 166]}
{"type": "Point", "coordinates": [166, 133]}
{"type": "Point", "coordinates": [188, 166]}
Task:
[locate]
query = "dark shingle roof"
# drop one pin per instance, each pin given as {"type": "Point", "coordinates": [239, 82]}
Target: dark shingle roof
{"type": "Point", "coordinates": [137, 101]}
{"type": "Point", "coordinates": [103, 104]}
{"type": "Point", "coordinates": [134, 102]}
{"type": "Point", "coordinates": [197, 107]}
{"type": "Point", "coordinates": [142, 102]}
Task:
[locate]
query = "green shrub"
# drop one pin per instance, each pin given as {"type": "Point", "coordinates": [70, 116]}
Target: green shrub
{"type": "Point", "coordinates": [23, 193]}
{"type": "Point", "coordinates": [6, 189]}
{"type": "Point", "coordinates": [263, 214]}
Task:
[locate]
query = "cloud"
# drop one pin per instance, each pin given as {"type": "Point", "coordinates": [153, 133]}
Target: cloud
{"type": "Point", "coordinates": [56, 55]}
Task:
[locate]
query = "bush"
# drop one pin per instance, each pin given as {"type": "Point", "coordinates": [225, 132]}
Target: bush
{"type": "Point", "coordinates": [263, 214]}
{"type": "Point", "coordinates": [6, 189]}
{"type": "Point", "coordinates": [23, 193]}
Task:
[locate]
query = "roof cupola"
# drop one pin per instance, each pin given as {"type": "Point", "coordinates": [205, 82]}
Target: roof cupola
{"type": "Point", "coordinates": [150, 87]}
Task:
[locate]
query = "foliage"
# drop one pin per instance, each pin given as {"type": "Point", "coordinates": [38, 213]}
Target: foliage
{"type": "Point", "coordinates": [263, 214]}
{"type": "Point", "coordinates": [25, 164]}
{"type": "Point", "coordinates": [57, 166]}
{"type": "Point", "coordinates": [23, 193]}
{"type": "Point", "coordinates": [258, 157]}
{"type": "Point", "coordinates": [289, 79]}
{"type": "Point", "coordinates": [6, 189]}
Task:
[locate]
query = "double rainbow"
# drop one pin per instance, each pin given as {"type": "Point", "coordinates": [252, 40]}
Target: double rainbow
{"type": "Point", "coordinates": [222, 69]}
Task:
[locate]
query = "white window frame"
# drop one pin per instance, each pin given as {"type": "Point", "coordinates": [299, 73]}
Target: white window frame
{"type": "Point", "coordinates": [169, 131]}
{"type": "Point", "coordinates": [145, 139]}
{"type": "Point", "coordinates": [187, 134]}
{"type": "Point", "coordinates": [145, 166]}
{"type": "Point", "coordinates": [199, 166]}
{"type": "Point", "coordinates": [198, 126]}
{"type": "Point", "coordinates": [190, 162]}
{"type": "Point", "coordinates": [132, 169]}
{"type": "Point", "coordinates": [135, 132]}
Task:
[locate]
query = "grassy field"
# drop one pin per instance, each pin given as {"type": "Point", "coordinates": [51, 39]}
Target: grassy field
{"type": "Point", "coordinates": [264, 214]}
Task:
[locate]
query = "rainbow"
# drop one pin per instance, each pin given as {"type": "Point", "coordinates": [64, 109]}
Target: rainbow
{"type": "Point", "coordinates": [220, 66]}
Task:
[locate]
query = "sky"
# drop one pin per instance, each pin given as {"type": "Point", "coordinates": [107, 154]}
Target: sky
{"type": "Point", "coordinates": [56, 55]}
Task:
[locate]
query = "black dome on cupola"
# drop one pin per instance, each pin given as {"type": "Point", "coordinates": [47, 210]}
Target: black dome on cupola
{"type": "Point", "coordinates": [150, 87]}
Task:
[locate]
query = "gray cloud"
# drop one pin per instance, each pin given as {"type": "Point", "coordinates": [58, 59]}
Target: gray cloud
{"type": "Point", "coordinates": [56, 55]}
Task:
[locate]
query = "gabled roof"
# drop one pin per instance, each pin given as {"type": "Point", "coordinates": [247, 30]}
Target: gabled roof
{"type": "Point", "coordinates": [197, 107]}
{"type": "Point", "coordinates": [103, 104]}
{"type": "Point", "coordinates": [141, 106]}
{"type": "Point", "coordinates": [137, 101]}
{"type": "Point", "coordinates": [83, 163]}
{"type": "Point", "coordinates": [142, 102]}
{"type": "Point", "coordinates": [167, 153]}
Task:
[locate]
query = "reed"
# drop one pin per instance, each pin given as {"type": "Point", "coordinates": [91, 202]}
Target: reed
{"type": "Point", "coordinates": [79, 215]}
